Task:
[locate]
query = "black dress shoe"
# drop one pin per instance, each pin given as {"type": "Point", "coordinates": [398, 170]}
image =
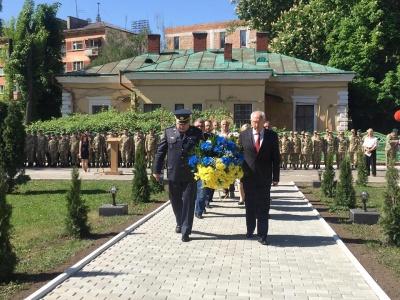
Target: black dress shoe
{"type": "Point", "coordinates": [178, 229]}
{"type": "Point", "coordinates": [185, 238]}
{"type": "Point", "coordinates": [208, 206]}
{"type": "Point", "coordinates": [263, 241]}
{"type": "Point", "coordinates": [249, 235]}
{"type": "Point", "coordinates": [198, 216]}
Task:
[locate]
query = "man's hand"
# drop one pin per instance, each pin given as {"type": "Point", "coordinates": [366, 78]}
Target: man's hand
{"type": "Point", "coordinates": [275, 183]}
{"type": "Point", "coordinates": [157, 177]}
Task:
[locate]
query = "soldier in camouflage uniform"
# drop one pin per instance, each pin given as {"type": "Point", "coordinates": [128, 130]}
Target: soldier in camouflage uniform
{"type": "Point", "coordinates": [126, 147]}
{"type": "Point", "coordinates": [285, 150]}
{"type": "Point", "coordinates": [139, 144]}
{"type": "Point", "coordinates": [342, 147]}
{"type": "Point", "coordinates": [29, 148]}
{"type": "Point", "coordinates": [392, 141]}
{"type": "Point", "coordinates": [306, 151]}
{"type": "Point", "coordinates": [63, 149]}
{"type": "Point", "coordinates": [98, 148]}
{"type": "Point", "coordinates": [74, 149]}
{"type": "Point", "coordinates": [296, 150]}
{"type": "Point", "coordinates": [331, 145]}
{"type": "Point", "coordinates": [151, 147]}
{"type": "Point", "coordinates": [110, 135]}
{"type": "Point", "coordinates": [53, 150]}
{"type": "Point", "coordinates": [291, 136]}
{"type": "Point", "coordinates": [41, 148]}
{"type": "Point", "coordinates": [318, 147]}
{"type": "Point", "coordinates": [353, 148]}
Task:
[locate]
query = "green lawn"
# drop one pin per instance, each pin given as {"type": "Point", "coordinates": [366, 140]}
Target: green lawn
{"type": "Point", "coordinates": [39, 210]}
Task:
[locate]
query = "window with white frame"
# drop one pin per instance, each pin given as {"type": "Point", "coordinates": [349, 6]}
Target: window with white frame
{"type": "Point", "coordinates": [77, 45]}
{"type": "Point", "coordinates": [99, 103]}
{"type": "Point", "coordinates": [304, 112]}
{"type": "Point", "coordinates": [78, 65]}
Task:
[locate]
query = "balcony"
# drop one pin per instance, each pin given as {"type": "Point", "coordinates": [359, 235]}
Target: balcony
{"type": "Point", "coordinates": [92, 51]}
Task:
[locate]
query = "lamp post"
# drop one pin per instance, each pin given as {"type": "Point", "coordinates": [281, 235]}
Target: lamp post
{"type": "Point", "coordinates": [319, 174]}
{"type": "Point", "coordinates": [113, 192]}
{"type": "Point", "coordinates": [364, 197]}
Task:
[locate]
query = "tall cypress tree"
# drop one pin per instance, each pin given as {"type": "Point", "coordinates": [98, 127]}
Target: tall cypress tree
{"type": "Point", "coordinates": [140, 185]}
{"type": "Point", "coordinates": [345, 194]}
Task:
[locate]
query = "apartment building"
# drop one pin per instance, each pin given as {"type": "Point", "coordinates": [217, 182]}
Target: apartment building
{"type": "Point", "coordinates": [233, 32]}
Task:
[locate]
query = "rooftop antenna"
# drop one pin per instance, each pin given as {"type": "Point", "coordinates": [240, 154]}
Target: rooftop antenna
{"type": "Point", "coordinates": [98, 19]}
{"type": "Point", "coordinates": [76, 8]}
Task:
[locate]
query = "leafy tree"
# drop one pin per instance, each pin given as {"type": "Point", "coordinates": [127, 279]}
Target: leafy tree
{"type": "Point", "coordinates": [120, 45]}
{"type": "Point", "coordinates": [390, 222]}
{"type": "Point", "coordinates": [8, 258]}
{"type": "Point", "coordinates": [328, 182]}
{"type": "Point", "coordinates": [13, 138]}
{"type": "Point", "coordinates": [362, 173]}
{"type": "Point", "coordinates": [345, 194]}
{"type": "Point", "coordinates": [140, 185]}
{"type": "Point", "coordinates": [76, 221]}
{"type": "Point", "coordinates": [35, 57]}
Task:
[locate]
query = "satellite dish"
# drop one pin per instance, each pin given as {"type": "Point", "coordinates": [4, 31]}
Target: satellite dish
{"type": "Point", "coordinates": [89, 20]}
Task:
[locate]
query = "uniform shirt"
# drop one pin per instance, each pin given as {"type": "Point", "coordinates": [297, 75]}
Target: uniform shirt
{"type": "Point", "coordinates": [371, 142]}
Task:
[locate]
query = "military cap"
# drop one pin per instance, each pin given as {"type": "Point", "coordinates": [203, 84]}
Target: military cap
{"type": "Point", "coordinates": [303, 132]}
{"type": "Point", "coordinates": [291, 132]}
{"type": "Point", "coordinates": [315, 131]}
{"type": "Point", "coordinates": [285, 133]}
{"type": "Point", "coordinates": [353, 130]}
{"type": "Point", "coordinates": [395, 130]}
{"type": "Point", "coordinates": [359, 130]}
{"type": "Point", "coordinates": [307, 133]}
{"type": "Point", "coordinates": [318, 133]}
{"type": "Point", "coordinates": [327, 130]}
{"type": "Point", "coordinates": [182, 115]}
{"type": "Point", "coordinates": [296, 133]}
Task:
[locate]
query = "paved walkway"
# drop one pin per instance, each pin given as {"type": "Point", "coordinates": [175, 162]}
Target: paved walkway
{"type": "Point", "coordinates": [305, 259]}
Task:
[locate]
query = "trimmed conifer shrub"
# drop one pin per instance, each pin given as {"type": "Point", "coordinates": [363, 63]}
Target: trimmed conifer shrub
{"type": "Point", "coordinates": [345, 194]}
{"type": "Point", "coordinates": [140, 185]}
{"type": "Point", "coordinates": [328, 182]}
{"type": "Point", "coordinates": [362, 173]}
{"type": "Point", "coordinates": [76, 221]}
{"type": "Point", "coordinates": [390, 221]}
{"type": "Point", "coordinates": [8, 258]}
{"type": "Point", "coordinates": [155, 186]}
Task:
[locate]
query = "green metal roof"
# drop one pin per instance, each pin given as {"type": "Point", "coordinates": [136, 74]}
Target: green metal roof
{"type": "Point", "coordinates": [244, 59]}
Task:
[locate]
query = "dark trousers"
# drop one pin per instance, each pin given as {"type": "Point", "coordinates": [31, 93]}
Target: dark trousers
{"type": "Point", "coordinates": [183, 197]}
{"type": "Point", "coordinates": [258, 203]}
{"type": "Point", "coordinates": [370, 162]}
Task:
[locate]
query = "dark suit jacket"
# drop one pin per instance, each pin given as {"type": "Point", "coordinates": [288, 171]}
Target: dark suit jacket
{"type": "Point", "coordinates": [178, 153]}
{"type": "Point", "coordinates": [265, 163]}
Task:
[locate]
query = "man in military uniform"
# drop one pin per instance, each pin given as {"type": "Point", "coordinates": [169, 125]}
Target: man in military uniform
{"type": "Point", "coordinates": [29, 148]}
{"type": "Point", "coordinates": [318, 147]}
{"type": "Point", "coordinates": [41, 145]}
{"type": "Point", "coordinates": [151, 147]}
{"type": "Point", "coordinates": [353, 148]}
{"type": "Point", "coordinates": [306, 151]}
{"type": "Point", "coordinates": [296, 150]}
{"type": "Point", "coordinates": [53, 150]}
{"type": "Point", "coordinates": [139, 144]}
{"type": "Point", "coordinates": [98, 148]}
{"type": "Point", "coordinates": [291, 136]}
{"type": "Point", "coordinates": [74, 148]}
{"type": "Point", "coordinates": [110, 135]}
{"type": "Point", "coordinates": [392, 141]}
{"type": "Point", "coordinates": [342, 146]}
{"type": "Point", "coordinates": [285, 150]}
{"type": "Point", "coordinates": [177, 143]}
{"type": "Point", "coordinates": [126, 147]}
{"type": "Point", "coordinates": [331, 145]}
{"type": "Point", "coordinates": [63, 148]}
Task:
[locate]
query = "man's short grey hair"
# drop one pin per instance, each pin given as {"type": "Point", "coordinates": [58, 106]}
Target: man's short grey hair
{"type": "Point", "coordinates": [261, 113]}
{"type": "Point", "coordinates": [199, 120]}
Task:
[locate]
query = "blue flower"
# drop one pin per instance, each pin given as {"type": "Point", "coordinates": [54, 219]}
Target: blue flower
{"type": "Point", "coordinates": [218, 149]}
{"type": "Point", "coordinates": [240, 158]}
{"type": "Point", "coordinates": [220, 140]}
{"type": "Point", "coordinates": [193, 161]}
{"type": "Point", "coordinates": [206, 146]}
{"type": "Point", "coordinates": [207, 160]}
{"type": "Point", "coordinates": [226, 160]}
{"type": "Point", "coordinates": [231, 146]}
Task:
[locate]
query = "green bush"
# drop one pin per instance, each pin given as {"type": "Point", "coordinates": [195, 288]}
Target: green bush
{"type": "Point", "coordinates": [328, 182]}
{"type": "Point", "coordinates": [362, 173]}
{"type": "Point", "coordinates": [140, 185]}
{"type": "Point", "coordinates": [390, 221]}
{"type": "Point", "coordinates": [76, 221]}
{"type": "Point", "coordinates": [345, 194]}
{"type": "Point", "coordinates": [8, 258]}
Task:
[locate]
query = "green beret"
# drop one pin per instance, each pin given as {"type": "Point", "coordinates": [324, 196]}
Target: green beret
{"type": "Point", "coordinates": [394, 130]}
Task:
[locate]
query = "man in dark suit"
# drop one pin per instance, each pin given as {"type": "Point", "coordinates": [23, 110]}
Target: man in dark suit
{"type": "Point", "coordinates": [261, 169]}
{"type": "Point", "coordinates": [177, 143]}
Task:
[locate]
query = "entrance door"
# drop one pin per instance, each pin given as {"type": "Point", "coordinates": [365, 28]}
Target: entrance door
{"type": "Point", "coordinates": [305, 118]}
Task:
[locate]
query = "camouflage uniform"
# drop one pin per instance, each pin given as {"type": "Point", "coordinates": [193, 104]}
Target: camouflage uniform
{"type": "Point", "coordinates": [63, 149]}
{"type": "Point", "coordinates": [318, 147]}
{"type": "Point", "coordinates": [392, 141]}
{"type": "Point", "coordinates": [74, 149]}
{"type": "Point", "coordinates": [285, 150]}
{"type": "Point", "coordinates": [53, 150]}
{"type": "Point", "coordinates": [354, 142]}
{"type": "Point", "coordinates": [306, 151]}
{"type": "Point", "coordinates": [296, 151]}
{"type": "Point", "coordinates": [98, 148]}
{"type": "Point", "coordinates": [151, 147]}
{"type": "Point", "coordinates": [41, 148]}
{"type": "Point", "coordinates": [126, 147]}
{"type": "Point", "coordinates": [29, 148]}
{"type": "Point", "coordinates": [330, 145]}
{"type": "Point", "coordinates": [139, 144]}
{"type": "Point", "coordinates": [110, 135]}
{"type": "Point", "coordinates": [342, 146]}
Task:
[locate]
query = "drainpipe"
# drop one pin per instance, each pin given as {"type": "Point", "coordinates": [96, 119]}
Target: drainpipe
{"type": "Point", "coordinates": [65, 89]}
{"type": "Point", "coordinates": [121, 84]}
